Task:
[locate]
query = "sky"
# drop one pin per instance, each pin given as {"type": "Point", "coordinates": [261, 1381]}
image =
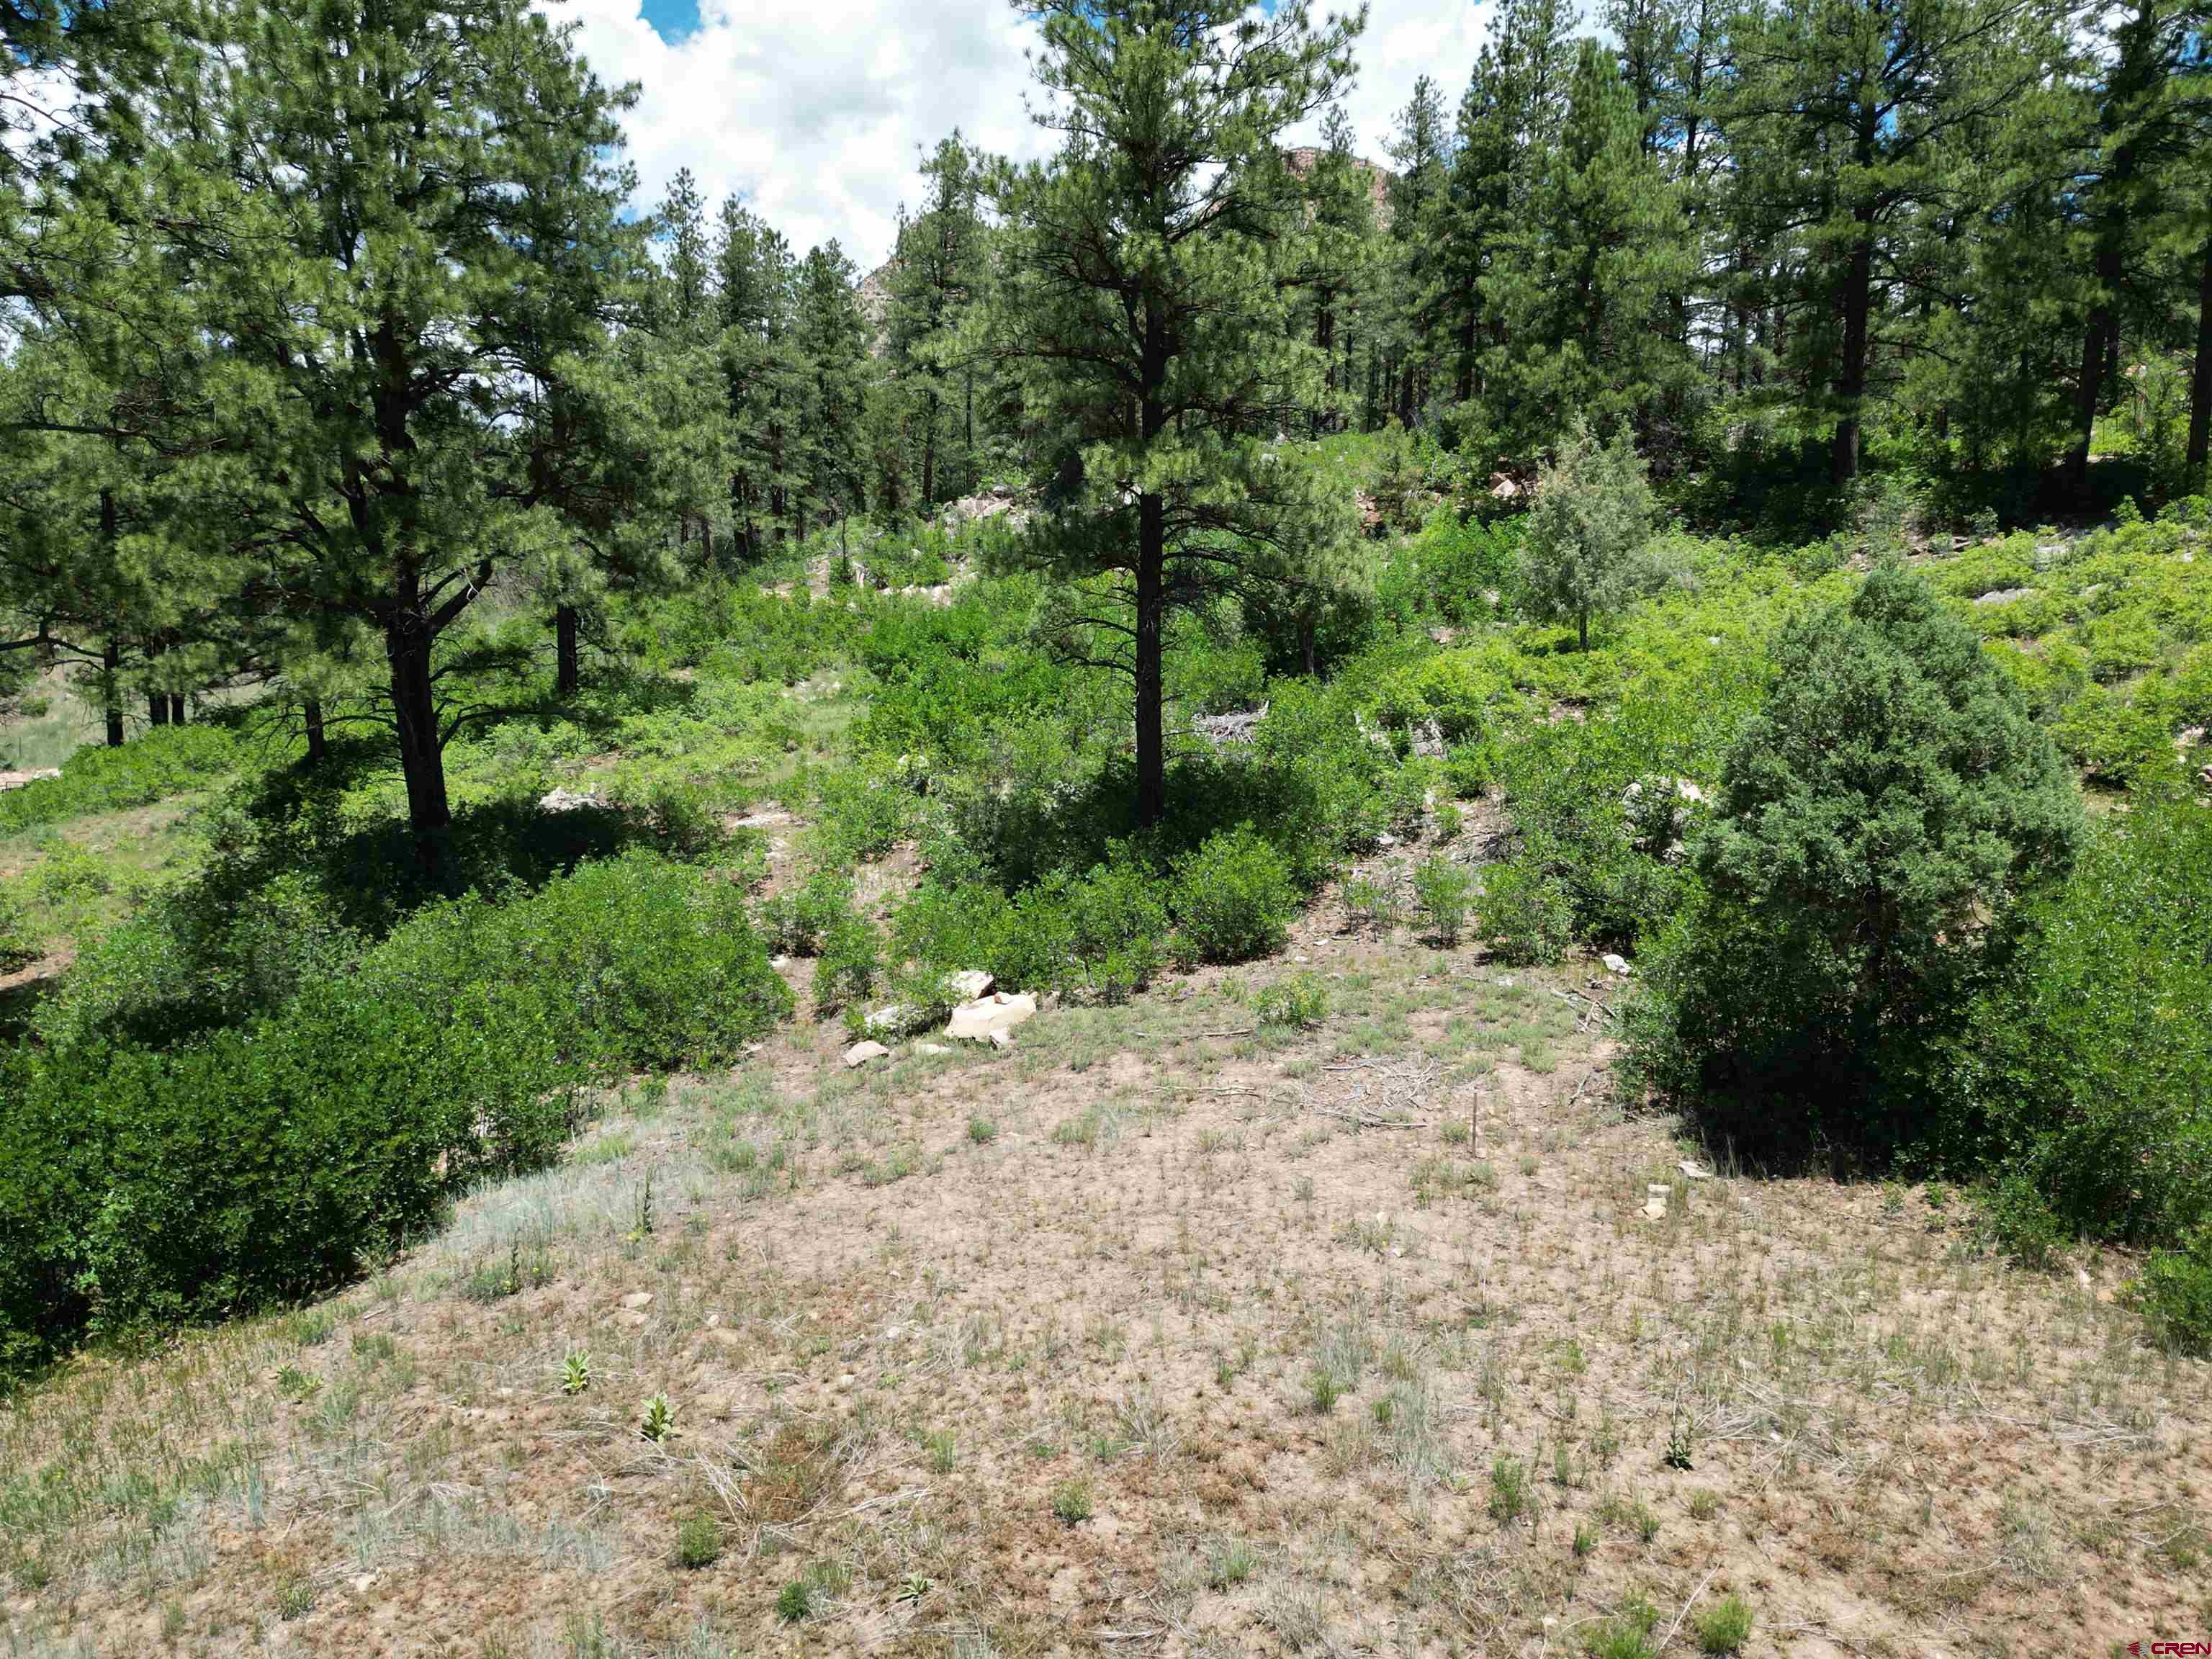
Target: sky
{"type": "Point", "coordinates": [814, 111]}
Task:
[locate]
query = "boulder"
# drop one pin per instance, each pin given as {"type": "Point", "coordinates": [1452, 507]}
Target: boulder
{"type": "Point", "coordinates": [970, 985]}
{"type": "Point", "coordinates": [861, 1052]}
{"type": "Point", "coordinates": [2003, 595]}
{"type": "Point", "coordinates": [565, 800]}
{"type": "Point", "coordinates": [1615, 964]}
{"type": "Point", "coordinates": [987, 1018]}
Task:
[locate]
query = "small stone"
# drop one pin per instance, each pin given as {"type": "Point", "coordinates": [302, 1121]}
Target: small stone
{"type": "Point", "coordinates": [1615, 964]}
{"type": "Point", "coordinates": [1692, 1171]}
{"type": "Point", "coordinates": [638, 1299]}
{"type": "Point", "coordinates": [931, 1049]}
{"type": "Point", "coordinates": [861, 1052]}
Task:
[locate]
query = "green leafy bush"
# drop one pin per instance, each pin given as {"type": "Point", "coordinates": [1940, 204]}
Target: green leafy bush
{"type": "Point", "coordinates": [795, 923]}
{"type": "Point", "coordinates": [1876, 823]}
{"type": "Point", "coordinates": [850, 962]}
{"type": "Point", "coordinates": [2176, 1295]}
{"type": "Point", "coordinates": [1445, 892]}
{"type": "Point", "coordinates": [1295, 1003]}
{"type": "Point", "coordinates": [165, 761]}
{"type": "Point", "coordinates": [1233, 899]}
{"type": "Point", "coordinates": [1524, 913]}
{"type": "Point", "coordinates": [2085, 1065]}
{"type": "Point", "coordinates": [268, 1158]}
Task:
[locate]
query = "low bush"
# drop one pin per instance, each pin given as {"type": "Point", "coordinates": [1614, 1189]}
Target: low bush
{"type": "Point", "coordinates": [1233, 899]}
{"type": "Point", "coordinates": [2176, 1295]}
{"type": "Point", "coordinates": [165, 761]}
{"type": "Point", "coordinates": [1295, 1003]}
{"type": "Point", "coordinates": [2085, 1068]}
{"type": "Point", "coordinates": [795, 923]}
{"type": "Point", "coordinates": [1445, 892]}
{"type": "Point", "coordinates": [1524, 913]}
{"type": "Point", "coordinates": [269, 1159]}
{"type": "Point", "coordinates": [850, 962]}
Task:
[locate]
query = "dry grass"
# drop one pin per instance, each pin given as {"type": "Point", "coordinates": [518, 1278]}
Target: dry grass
{"type": "Point", "coordinates": [1348, 1341]}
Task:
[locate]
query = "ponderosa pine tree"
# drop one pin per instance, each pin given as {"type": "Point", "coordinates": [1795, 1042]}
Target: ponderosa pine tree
{"type": "Point", "coordinates": [1848, 118]}
{"type": "Point", "coordinates": [1421, 153]}
{"type": "Point", "coordinates": [831, 340]}
{"type": "Point", "coordinates": [938, 273]}
{"type": "Point", "coordinates": [1592, 514]}
{"type": "Point", "coordinates": [1582, 284]}
{"type": "Point", "coordinates": [2145, 137]}
{"type": "Point", "coordinates": [755, 293]}
{"type": "Point", "coordinates": [415, 221]}
{"type": "Point", "coordinates": [1140, 302]}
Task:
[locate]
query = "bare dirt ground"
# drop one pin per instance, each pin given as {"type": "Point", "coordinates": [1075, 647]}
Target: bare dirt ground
{"type": "Point", "coordinates": [1161, 1334]}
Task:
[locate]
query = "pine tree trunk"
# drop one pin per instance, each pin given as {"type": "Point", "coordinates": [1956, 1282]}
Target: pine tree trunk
{"type": "Point", "coordinates": [2087, 391]}
{"type": "Point", "coordinates": [2199, 383]}
{"type": "Point", "coordinates": [407, 644]}
{"type": "Point", "coordinates": [311, 713]}
{"type": "Point", "coordinates": [1309, 645]}
{"type": "Point", "coordinates": [176, 709]}
{"type": "Point", "coordinates": [111, 660]}
{"type": "Point", "coordinates": [157, 708]}
{"type": "Point", "coordinates": [567, 673]}
{"type": "Point", "coordinates": [1851, 371]}
{"type": "Point", "coordinates": [111, 655]}
{"type": "Point", "coordinates": [929, 454]}
{"type": "Point", "coordinates": [1151, 605]}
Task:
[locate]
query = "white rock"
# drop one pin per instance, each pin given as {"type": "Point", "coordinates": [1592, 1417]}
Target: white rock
{"type": "Point", "coordinates": [1693, 1172]}
{"type": "Point", "coordinates": [931, 1049]}
{"type": "Point", "coordinates": [1002, 1039]}
{"type": "Point", "coordinates": [565, 800]}
{"type": "Point", "coordinates": [638, 1299]}
{"type": "Point", "coordinates": [1615, 964]}
{"type": "Point", "coordinates": [890, 1020]}
{"type": "Point", "coordinates": [987, 1017]}
{"type": "Point", "coordinates": [861, 1052]}
{"type": "Point", "coordinates": [971, 985]}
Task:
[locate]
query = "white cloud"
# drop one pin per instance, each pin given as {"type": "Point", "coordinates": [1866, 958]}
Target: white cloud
{"type": "Point", "coordinates": [813, 110]}
{"type": "Point", "coordinates": [1405, 40]}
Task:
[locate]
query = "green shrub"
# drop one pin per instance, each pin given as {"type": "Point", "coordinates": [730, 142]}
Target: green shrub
{"type": "Point", "coordinates": [1876, 823]}
{"type": "Point", "coordinates": [1298, 1002]}
{"type": "Point", "coordinates": [795, 923]}
{"type": "Point", "coordinates": [1524, 913]}
{"type": "Point", "coordinates": [18, 942]}
{"type": "Point", "coordinates": [164, 761]}
{"type": "Point", "coordinates": [2176, 1295]}
{"type": "Point", "coordinates": [1233, 899]}
{"type": "Point", "coordinates": [2085, 1067]}
{"type": "Point", "coordinates": [1445, 891]}
{"type": "Point", "coordinates": [850, 963]}
{"type": "Point", "coordinates": [698, 1541]}
{"type": "Point", "coordinates": [679, 818]}
{"type": "Point", "coordinates": [266, 1160]}
{"type": "Point", "coordinates": [1723, 1627]}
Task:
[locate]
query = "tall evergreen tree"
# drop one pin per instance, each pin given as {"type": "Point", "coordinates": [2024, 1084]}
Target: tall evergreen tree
{"type": "Point", "coordinates": [938, 273]}
{"type": "Point", "coordinates": [2145, 129]}
{"type": "Point", "coordinates": [421, 234]}
{"type": "Point", "coordinates": [1583, 285]}
{"type": "Point", "coordinates": [1140, 304]}
{"type": "Point", "coordinates": [1848, 118]}
{"type": "Point", "coordinates": [756, 291]}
